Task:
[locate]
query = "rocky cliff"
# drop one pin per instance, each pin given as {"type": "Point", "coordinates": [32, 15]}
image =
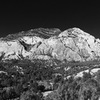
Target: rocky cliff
{"type": "Point", "coordinates": [70, 45]}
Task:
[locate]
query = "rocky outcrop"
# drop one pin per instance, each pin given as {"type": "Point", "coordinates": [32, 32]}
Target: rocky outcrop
{"type": "Point", "coordinates": [70, 45]}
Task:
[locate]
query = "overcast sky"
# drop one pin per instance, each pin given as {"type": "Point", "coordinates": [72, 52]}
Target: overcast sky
{"type": "Point", "coordinates": [21, 16]}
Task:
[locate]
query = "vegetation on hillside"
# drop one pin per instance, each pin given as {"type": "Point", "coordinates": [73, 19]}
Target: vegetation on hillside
{"type": "Point", "coordinates": [29, 81]}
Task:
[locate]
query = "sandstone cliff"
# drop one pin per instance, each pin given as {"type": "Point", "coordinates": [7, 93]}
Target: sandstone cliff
{"type": "Point", "coordinates": [70, 45]}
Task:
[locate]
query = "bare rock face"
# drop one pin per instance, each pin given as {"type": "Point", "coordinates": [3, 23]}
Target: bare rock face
{"type": "Point", "coordinates": [70, 45]}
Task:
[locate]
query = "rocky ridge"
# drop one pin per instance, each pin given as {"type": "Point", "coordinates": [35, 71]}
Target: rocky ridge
{"type": "Point", "coordinates": [70, 45]}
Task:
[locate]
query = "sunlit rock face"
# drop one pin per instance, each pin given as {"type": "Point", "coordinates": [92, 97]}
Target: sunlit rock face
{"type": "Point", "coordinates": [70, 45]}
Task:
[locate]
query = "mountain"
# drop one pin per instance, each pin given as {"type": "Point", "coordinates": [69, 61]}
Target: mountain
{"type": "Point", "coordinates": [50, 64]}
{"type": "Point", "coordinates": [70, 45]}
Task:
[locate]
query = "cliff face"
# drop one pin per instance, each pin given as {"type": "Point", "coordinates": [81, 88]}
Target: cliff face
{"type": "Point", "coordinates": [70, 45]}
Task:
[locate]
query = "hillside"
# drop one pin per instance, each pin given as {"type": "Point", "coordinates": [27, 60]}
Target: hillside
{"type": "Point", "coordinates": [50, 64]}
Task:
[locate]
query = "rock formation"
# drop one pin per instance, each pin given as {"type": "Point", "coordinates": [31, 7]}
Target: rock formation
{"type": "Point", "coordinates": [70, 45]}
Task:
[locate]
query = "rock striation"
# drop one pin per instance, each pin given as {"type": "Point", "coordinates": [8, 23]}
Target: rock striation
{"type": "Point", "coordinates": [70, 45]}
